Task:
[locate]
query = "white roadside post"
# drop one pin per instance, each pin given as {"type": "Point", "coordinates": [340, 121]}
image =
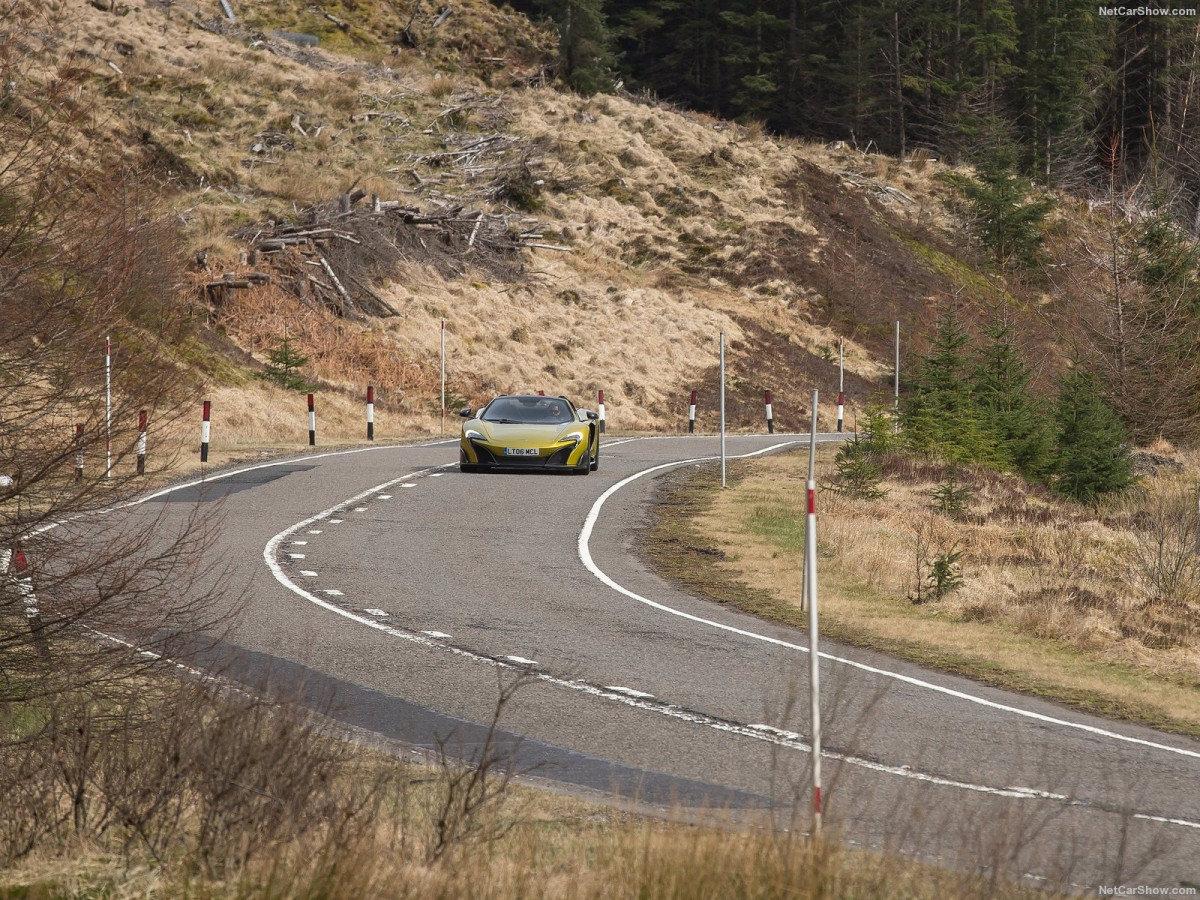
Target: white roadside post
{"type": "Point", "coordinates": [722, 409]}
{"type": "Point", "coordinates": [370, 412]}
{"type": "Point", "coordinates": [600, 407]}
{"type": "Point", "coordinates": [809, 596]}
{"type": "Point", "coordinates": [141, 442]}
{"type": "Point", "coordinates": [107, 408]}
{"type": "Point", "coordinates": [312, 422]}
{"type": "Point", "coordinates": [896, 388]}
{"type": "Point", "coordinates": [78, 451]}
{"type": "Point", "coordinates": [692, 414]}
{"type": "Point", "coordinates": [443, 376]}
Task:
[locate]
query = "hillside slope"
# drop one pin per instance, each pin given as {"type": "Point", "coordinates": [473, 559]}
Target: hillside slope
{"type": "Point", "coordinates": [572, 244]}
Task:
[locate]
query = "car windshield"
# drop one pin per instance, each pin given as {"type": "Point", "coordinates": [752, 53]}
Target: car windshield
{"type": "Point", "coordinates": [528, 411]}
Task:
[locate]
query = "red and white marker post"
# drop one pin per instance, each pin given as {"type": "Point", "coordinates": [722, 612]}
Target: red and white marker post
{"type": "Point", "coordinates": [370, 413]}
{"type": "Point", "coordinates": [205, 430]}
{"type": "Point", "coordinates": [78, 451]}
{"type": "Point", "coordinates": [600, 409]}
{"type": "Point", "coordinates": [841, 382]}
{"type": "Point", "coordinates": [312, 422]}
{"type": "Point", "coordinates": [692, 414]}
{"type": "Point", "coordinates": [809, 596]}
{"type": "Point", "coordinates": [141, 442]}
{"type": "Point", "coordinates": [18, 567]}
{"type": "Point", "coordinates": [770, 414]}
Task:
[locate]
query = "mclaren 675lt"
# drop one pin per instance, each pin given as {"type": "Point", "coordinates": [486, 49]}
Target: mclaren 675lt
{"type": "Point", "coordinates": [529, 432]}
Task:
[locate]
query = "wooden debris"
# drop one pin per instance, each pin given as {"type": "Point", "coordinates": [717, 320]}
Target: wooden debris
{"type": "Point", "coordinates": [355, 245]}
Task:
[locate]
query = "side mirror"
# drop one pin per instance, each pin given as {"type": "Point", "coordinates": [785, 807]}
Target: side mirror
{"type": "Point", "coordinates": [588, 415]}
{"type": "Point", "coordinates": [466, 413]}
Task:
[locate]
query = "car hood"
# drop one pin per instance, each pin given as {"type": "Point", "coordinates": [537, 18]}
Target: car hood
{"type": "Point", "coordinates": [523, 435]}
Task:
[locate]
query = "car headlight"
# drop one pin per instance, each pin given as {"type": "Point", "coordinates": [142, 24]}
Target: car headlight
{"type": "Point", "coordinates": [575, 436]}
{"type": "Point", "coordinates": [472, 435]}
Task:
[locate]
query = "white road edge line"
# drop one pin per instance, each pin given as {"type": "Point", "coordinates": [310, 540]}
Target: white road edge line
{"type": "Point", "coordinates": [585, 557]}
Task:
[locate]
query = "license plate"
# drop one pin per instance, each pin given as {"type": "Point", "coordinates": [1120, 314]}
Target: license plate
{"type": "Point", "coordinates": [521, 451]}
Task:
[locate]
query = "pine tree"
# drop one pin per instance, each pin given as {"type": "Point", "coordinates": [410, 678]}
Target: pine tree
{"type": "Point", "coordinates": [584, 44]}
{"type": "Point", "coordinates": [1092, 452]}
{"type": "Point", "coordinates": [1001, 385]}
{"type": "Point", "coordinates": [1063, 47]}
{"type": "Point", "coordinates": [857, 472]}
{"type": "Point", "coordinates": [941, 416]}
{"type": "Point", "coordinates": [284, 367]}
{"type": "Point", "coordinates": [1002, 216]}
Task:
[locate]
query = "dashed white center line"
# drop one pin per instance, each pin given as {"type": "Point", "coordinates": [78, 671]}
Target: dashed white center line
{"type": "Point", "coordinates": [385, 496]}
{"type": "Point", "coordinates": [360, 509]}
{"type": "Point", "coordinates": [296, 555]}
{"type": "Point", "coordinates": [378, 613]}
{"type": "Point", "coordinates": [335, 521]}
{"type": "Point", "coordinates": [298, 543]}
{"type": "Point", "coordinates": [315, 531]}
{"type": "Point", "coordinates": [333, 593]}
{"type": "Point", "coordinates": [521, 661]}
{"type": "Point", "coordinates": [630, 692]}
{"type": "Point", "coordinates": [408, 485]}
{"type": "Point", "coordinates": [437, 634]}
{"type": "Point", "coordinates": [437, 474]}
{"type": "Point", "coordinates": [308, 574]}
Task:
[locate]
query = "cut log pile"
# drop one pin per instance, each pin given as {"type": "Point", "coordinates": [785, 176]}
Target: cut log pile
{"type": "Point", "coordinates": [339, 253]}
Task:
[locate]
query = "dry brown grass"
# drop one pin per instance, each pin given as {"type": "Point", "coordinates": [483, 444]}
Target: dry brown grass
{"type": "Point", "coordinates": [670, 216]}
{"type": "Point", "coordinates": [1059, 599]}
{"type": "Point", "coordinates": [555, 847]}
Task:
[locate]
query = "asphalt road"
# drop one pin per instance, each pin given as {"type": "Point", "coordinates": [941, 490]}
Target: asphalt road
{"type": "Point", "coordinates": [401, 595]}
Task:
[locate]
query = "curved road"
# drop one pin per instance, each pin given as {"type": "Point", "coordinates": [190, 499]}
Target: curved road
{"type": "Point", "coordinates": [401, 594]}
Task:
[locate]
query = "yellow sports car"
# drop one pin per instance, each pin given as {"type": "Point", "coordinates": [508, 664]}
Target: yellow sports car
{"type": "Point", "coordinates": [530, 432]}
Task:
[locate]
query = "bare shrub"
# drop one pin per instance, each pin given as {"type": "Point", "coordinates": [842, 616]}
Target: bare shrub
{"type": "Point", "coordinates": [1163, 559]}
{"type": "Point", "coordinates": [1060, 553]}
{"type": "Point", "coordinates": [469, 786]}
{"type": "Point", "coordinates": [257, 773]}
{"type": "Point", "coordinates": [1162, 623]}
{"type": "Point", "coordinates": [937, 551]}
{"type": "Point", "coordinates": [85, 258]}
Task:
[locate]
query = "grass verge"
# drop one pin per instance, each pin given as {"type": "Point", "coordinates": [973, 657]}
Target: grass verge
{"type": "Point", "coordinates": [743, 547]}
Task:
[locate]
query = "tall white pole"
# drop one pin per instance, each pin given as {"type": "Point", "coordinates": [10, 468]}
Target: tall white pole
{"type": "Point", "coordinates": [810, 589]}
{"type": "Point", "coordinates": [896, 390]}
{"type": "Point", "coordinates": [443, 376]}
{"type": "Point", "coordinates": [107, 407]}
{"type": "Point", "coordinates": [722, 409]}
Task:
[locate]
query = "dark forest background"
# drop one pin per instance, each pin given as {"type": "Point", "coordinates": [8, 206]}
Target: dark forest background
{"type": "Point", "coordinates": [1062, 94]}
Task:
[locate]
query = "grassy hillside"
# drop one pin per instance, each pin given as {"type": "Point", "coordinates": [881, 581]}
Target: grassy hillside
{"type": "Point", "coordinates": [581, 243]}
